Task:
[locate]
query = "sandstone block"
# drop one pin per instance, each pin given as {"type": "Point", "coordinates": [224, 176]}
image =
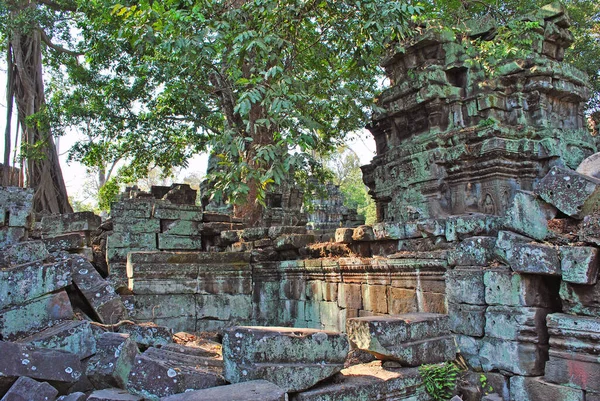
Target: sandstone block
{"type": "Point", "coordinates": [534, 259]}
{"type": "Point", "coordinates": [99, 293]}
{"type": "Point", "coordinates": [363, 233]}
{"type": "Point", "coordinates": [572, 193]}
{"type": "Point", "coordinates": [38, 363]}
{"type": "Point", "coordinates": [470, 225]}
{"type": "Point", "coordinates": [562, 364]}
{"type": "Point", "coordinates": [469, 348]}
{"type": "Point", "coordinates": [136, 208]}
{"type": "Point", "coordinates": [23, 252]}
{"type": "Point", "coordinates": [231, 236]}
{"type": "Point", "coordinates": [580, 299]}
{"type": "Point", "coordinates": [412, 339]}
{"type": "Point", "coordinates": [503, 287]}
{"type": "Point", "coordinates": [529, 215]}
{"type": "Point", "coordinates": [277, 231]}
{"type": "Point", "coordinates": [385, 231]}
{"type": "Point", "coordinates": [506, 241]}
{"type": "Point", "coordinates": [344, 235]}
{"type": "Point", "coordinates": [579, 264]}
{"type": "Point", "coordinates": [369, 382]}
{"type": "Point", "coordinates": [73, 397]}
{"type": "Point", "coordinates": [25, 319]}
{"type": "Point", "coordinates": [168, 242]}
{"type": "Point", "coordinates": [521, 324]}
{"type": "Point", "coordinates": [401, 300]}
{"type": "Point", "coordinates": [57, 224]}
{"type": "Point", "coordinates": [41, 279]}
{"type": "Point", "coordinates": [147, 334]}
{"type": "Point", "coordinates": [113, 361]}
{"type": "Point", "coordinates": [519, 358]}
{"type": "Point", "coordinates": [535, 388]}
{"type": "Point", "coordinates": [65, 242]}
{"type": "Point", "coordinates": [374, 298]}
{"type": "Point", "coordinates": [75, 336]}
{"type": "Point", "coordinates": [293, 241]}
{"type": "Point", "coordinates": [163, 372]}
{"type": "Point", "coordinates": [12, 235]}
{"type": "Point", "coordinates": [467, 319]}
{"type": "Point", "coordinates": [473, 251]}
{"type": "Point", "coordinates": [255, 233]}
{"type": "Point", "coordinates": [294, 359]}
{"type": "Point", "coordinates": [574, 333]}
{"type": "Point", "coordinates": [166, 211]}
{"type": "Point", "coordinates": [113, 394]}
{"type": "Point", "coordinates": [589, 229]}
{"type": "Point", "coordinates": [136, 226]}
{"type": "Point", "coordinates": [26, 389]}
{"type": "Point", "coordinates": [466, 286]}
{"type": "Point", "coordinates": [131, 240]}
{"type": "Point", "coordinates": [255, 390]}
{"type": "Point", "coordinates": [186, 228]}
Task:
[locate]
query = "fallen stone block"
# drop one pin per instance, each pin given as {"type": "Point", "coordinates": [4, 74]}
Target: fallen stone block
{"type": "Point", "coordinates": [363, 233]}
{"type": "Point", "coordinates": [503, 287]}
{"type": "Point", "coordinates": [371, 382]}
{"type": "Point", "coordinates": [523, 324]}
{"type": "Point", "coordinates": [160, 373]}
{"type": "Point", "coordinates": [76, 337]}
{"type": "Point", "coordinates": [255, 390]}
{"type": "Point", "coordinates": [523, 359]}
{"type": "Point", "coordinates": [58, 224]}
{"type": "Point", "coordinates": [35, 315]}
{"type": "Point", "coordinates": [529, 215]}
{"type": "Point", "coordinates": [26, 389]}
{"type": "Point", "coordinates": [467, 319]}
{"type": "Point", "coordinates": [40, 279]}
{"type": "Point", "coordinates": [381, 231]}
{"type": "Point", "coordinates": [535, 388]}
{"type": "Point", "coordinates": [294, 359]}
{"type": "Point", "coordinates": [572, 193]}
{"type": "Point", "coordinates": [38, 363]}
{"type": "Point", "coordinates": [589, 230]}
{"type": "Point", "coordinates": [66, 242]}
{"type": "Point", "coordinates": [23, 252]}
{"type": "Point", "coordinates": [113, 394]}
{"type": "Point", "coordinates": [99, 293]}
{"type": "Point", "coordinates": [534, 259]}
{"type": "Point", "coordinates": [147, 334]}
{"type": "Point", "coordinates": [473, 251]}
{"type": "Point", "coordinates": [465, 286]}
{"type": "Point", "coordinates": [412, 339]}
{"type": "Point", "coordinates": [113, 361]}
{"type": "Point", "coordinates": [580, 299]}
{"type": "Point", "coordinates": [579, 264]}
{"type": "Point", "coordinates": [73, 397]}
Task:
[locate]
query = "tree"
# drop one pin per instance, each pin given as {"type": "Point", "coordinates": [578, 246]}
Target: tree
{"type": "Point", "coordinates": [26, 32]}
{"type": "Point", "coordinates": [266, 81]}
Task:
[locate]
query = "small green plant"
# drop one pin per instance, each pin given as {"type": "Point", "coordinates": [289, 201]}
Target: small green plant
{"type": "Point", "coordinates": [440, 379]}
{"type": "Point", "coordinates": [485, 386]}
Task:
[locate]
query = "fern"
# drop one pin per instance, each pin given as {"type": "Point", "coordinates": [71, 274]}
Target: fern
{"type": "Point", "coordinates": [439, 379]}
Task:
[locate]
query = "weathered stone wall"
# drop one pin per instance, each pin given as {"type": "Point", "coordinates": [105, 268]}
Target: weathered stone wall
{"type": "Point", "coordinates": [454, 140]}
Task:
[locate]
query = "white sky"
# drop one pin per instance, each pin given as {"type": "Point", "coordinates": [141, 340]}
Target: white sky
{"type": "Point", "coordinates": [362, 143]}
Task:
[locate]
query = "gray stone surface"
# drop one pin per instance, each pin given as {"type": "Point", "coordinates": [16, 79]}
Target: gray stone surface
{"type": "Point", "coordinates": [580, 299]}
{"type": "Point", "coordinates": [465, 286]}
{"type": "Point", "coordinates": [467, 319]}
{"type": "Point", "coordinates": [23, 252]}
{"type": "Point", "coordinates": [534, 258]}
{"type": "Point", "coordinates": [113, 361]}
{"type": "Point", "coordinates": [294, 359]}
{"type": "Point", "coordinates": [503, 287]}
{"type": "Point", "coordinates": [473, 251]}
{"type": "Point", "coordinates": [524, 359]}
{"type": "Point", "coordinates": [26, 389]}
{"type": "Point", "coordinates": [255, 390]}
{"type": "Point", "coordinates": [73, 397]}
{"type": "Point", "coordinates": [412, 339]}
{"type": "Point", "coordinates": [579, 264]}
{"type": "Point", "coordinates": [572, 193]}
{"type": "Point", "coordinates": [529, 215]}
{"type": "Point", "coordinates": [524, 324]}
{"type": "Point", "coordinates": [535, 388]}
{"type": "Point", "coordinates": [113, 394]}
{"type": "Point", "coordinates": [76, 337]}
{"type": "Point", "coordinates": [562, 364]}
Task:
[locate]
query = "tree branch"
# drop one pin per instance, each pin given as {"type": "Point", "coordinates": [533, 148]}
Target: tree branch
{"type": "Point", "coordinates": [58, 48]}
{"type": "Point", "coordinates": [59, 7]}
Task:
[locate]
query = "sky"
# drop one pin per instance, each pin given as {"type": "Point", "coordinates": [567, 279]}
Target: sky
{"type": "Point", "coordinates": [75, 175]}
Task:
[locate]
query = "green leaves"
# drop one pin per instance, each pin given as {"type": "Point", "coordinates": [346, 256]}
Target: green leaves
{"type": "Point", "coordinates": [440, 379]}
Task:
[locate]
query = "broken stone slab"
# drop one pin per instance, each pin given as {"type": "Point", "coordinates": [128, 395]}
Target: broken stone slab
{"type": "Point", "coordinates": [528, 215]}
{"type": "Point", "coordinates": [99, 293]}
{"type": "Point", "coordinates": [473, 251]}
{"type": "Point", "coordinates": [522, 324]}
{"type": "Point", "coordinates": [294, 359]}
{"type": "Point", "coordinates": [255, 390]}
{"type": "Point", "coordinates": [23, 252]}
{"type": "Point", "coordinates": [23, 283]}
{"type": "Point", "coordinates": [147, 334]}
{"type": "Point", "coordinates": [467, 319]}
{"type": "Point", "coordinates": [76, 337]}
{"type": "Point", "coordinates": [369, 382]}
{"type": "Point", "coordinates": [163, 372]}
{"type": "Point", "coordinates": [73, 397]}
{"type": "Point", "coordinates": [524, 359]}
{"type": "Point", "coordinates": [465, 286]}
{"type": "Point", "coordinates": [113, 361]}
{"type": "Point", "coordinates": [58, 224]}
{"type": "Point", "coordinates": [26, 389]}
{"type": "Point", "coordinates": [579, 264]}
{"type": "Point", "coordinates": [38, 363]}
{"type": "Point", "coordinates": [66, 242]}
{"type": "Point", "coordinates": [589, 230]}
{"type": "Point", "coordinates": [535, 388]}
{"type": "Point", "coordinates": [572, 193]}
{"type": "Point", "coordinates": [412, 339]}
{"type": "Point", "coordinates": [580, 299]}
{"type": "Point", "coordinates": [25, 319]}
{"type": "Point", "coordinates": [293, 241]}
{"type": "Point", "coordinates": [113, 394]}
{"type": "Point", "coordinates": [503, 287]}
{"type": "Point", "coordinates": [534, 259]}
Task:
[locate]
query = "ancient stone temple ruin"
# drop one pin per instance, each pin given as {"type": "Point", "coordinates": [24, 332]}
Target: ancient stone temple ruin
{"type": "Point", "coordinates": [485, 254]}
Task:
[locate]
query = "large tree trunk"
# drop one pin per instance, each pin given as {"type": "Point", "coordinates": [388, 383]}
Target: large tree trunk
{"type": "Point", "coordinates": [43, 174]}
